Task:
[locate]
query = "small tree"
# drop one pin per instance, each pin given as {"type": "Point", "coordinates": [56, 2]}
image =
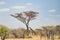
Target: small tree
{"type": "Point", "coordinates": [26, 17]}
{"type": "Point", "coordinates": [58, 29]}
{"type": "Point", "coordinates": [14, 32]}
{"type": "Point", "coordinates": [50, 31]}
{"type": "Point", "coordinates": [3, 32]}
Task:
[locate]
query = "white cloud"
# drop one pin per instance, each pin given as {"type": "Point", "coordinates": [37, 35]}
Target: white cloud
{"type": "Point", "coordinates": [29, 4]}
{"type": "Point", "coordinates": [19, 7]}
{"type": "Point", "coordinates": [52, 10]}
{"type": "Point", "coordinates": [1, 3]}
{"type": "Point", "coordinates": [4, 10]}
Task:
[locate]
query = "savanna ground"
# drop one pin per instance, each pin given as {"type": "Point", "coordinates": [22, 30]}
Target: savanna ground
{"type": "Point", "coordinates": [34, 38]}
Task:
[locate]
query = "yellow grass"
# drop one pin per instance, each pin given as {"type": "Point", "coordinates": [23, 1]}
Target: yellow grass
{"type": "Point", "coordinates": [34, 38]}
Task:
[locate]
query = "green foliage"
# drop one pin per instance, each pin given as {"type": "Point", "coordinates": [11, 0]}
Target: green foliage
{"type": "Point", "coordinates": [3, 30]}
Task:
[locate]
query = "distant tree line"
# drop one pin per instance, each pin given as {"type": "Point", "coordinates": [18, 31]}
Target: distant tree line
{"type": "Point", "coordinates": [49, 32]}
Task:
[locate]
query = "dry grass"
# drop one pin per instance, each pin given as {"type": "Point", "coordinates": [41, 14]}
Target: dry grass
{"type": "Point", "coordinates": [34, 38]}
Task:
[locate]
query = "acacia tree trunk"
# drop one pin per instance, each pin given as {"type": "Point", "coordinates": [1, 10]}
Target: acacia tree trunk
{"type": "Point", "coordinates": [48, 35]}
{"type": "Point", "coordinates": [52, 35]}
{"type": "Point", "coordinates": [59, 34]}
{"type": "Point", "coordinates": [3, 37]}
{"type": "Point", "coordinates": [27, 29]}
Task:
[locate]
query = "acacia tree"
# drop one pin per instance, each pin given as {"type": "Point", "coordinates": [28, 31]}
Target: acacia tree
{"type": "Point", "coordinates": [26, 17]}
{"type": "Point", "coordinates": [3, 32]}
{"type": "Point", "coordinates": [58, 29]}
{"type": "Point", "coordinates": [41, 33]}
{"type": "Point", "coordinates": [50, 31]}
{"type": "Point", "coordinates": [14, 32]}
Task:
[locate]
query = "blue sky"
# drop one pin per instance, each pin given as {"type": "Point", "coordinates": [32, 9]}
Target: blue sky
{"type": "Point", "coordinates": [49, 12]}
